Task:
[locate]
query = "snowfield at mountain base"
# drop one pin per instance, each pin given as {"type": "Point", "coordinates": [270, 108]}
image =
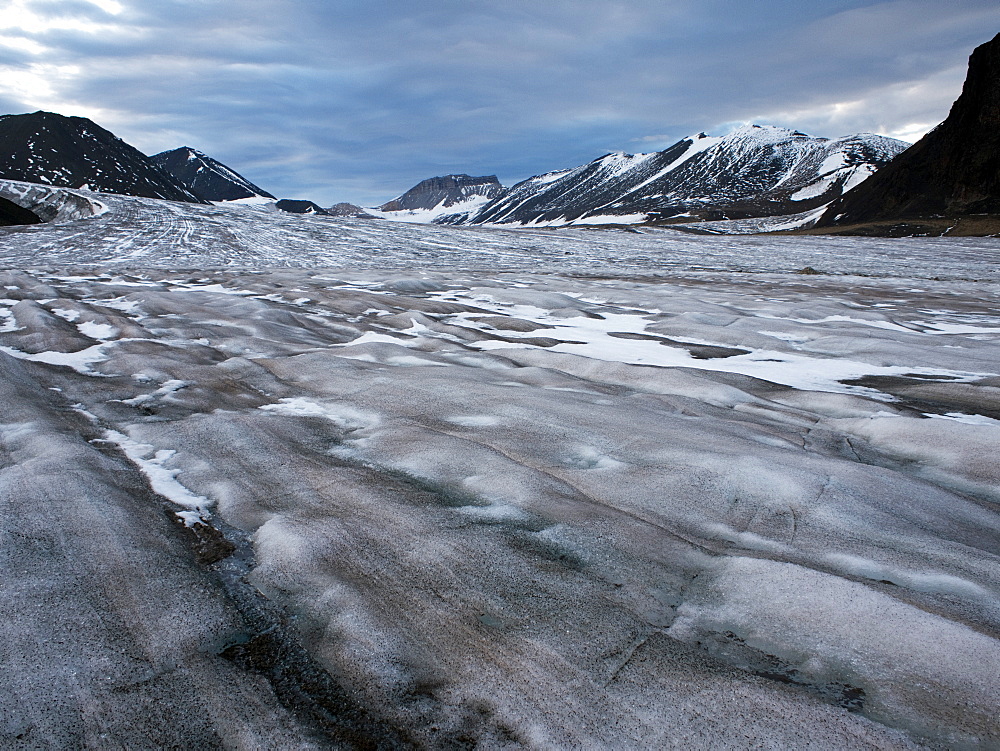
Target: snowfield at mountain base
{"type": "Point", "coordinates": [308, 482]}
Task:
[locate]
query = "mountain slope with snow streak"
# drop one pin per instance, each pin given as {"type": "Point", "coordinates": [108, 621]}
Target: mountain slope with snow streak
{"type": "Point", "coordinates": [754, 171]}
{"type": "Point", "coordinates": [454, 196]}
{"type": "Point", "coordinates": [208, 177]}
{"type": "Point", "coordinates": [444, 192]}
{"type": "Point", "coordinates": [74, 152]}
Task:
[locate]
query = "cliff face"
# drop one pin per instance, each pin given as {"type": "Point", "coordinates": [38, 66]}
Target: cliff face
{"type": "Point", "coordinates": [953, 171]}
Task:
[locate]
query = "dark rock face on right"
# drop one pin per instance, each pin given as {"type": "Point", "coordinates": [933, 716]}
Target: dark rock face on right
{"type": "Point", "coordinates": [953, 171]}
{"type": "Point", "coordinates": [444, 191]}
{"type": "Point", "coordinates": [74, 152]}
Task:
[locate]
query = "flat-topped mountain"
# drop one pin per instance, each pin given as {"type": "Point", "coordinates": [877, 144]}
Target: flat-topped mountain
{"type": "Point", "coordinates": [74, 152]}
{"type": "Point", "coordinates": [952, 172]}
{"type": "Point", "coordinates": [445, 192]}
{"type": "Point", "coordinates": [208, 177]}
{"type": "Point", "coordinates": [348, 209]}
{"type": "Point", "coordinates": [754, 171]}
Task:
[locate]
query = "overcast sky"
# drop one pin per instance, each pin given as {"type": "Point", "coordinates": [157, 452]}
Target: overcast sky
{"type": "Point", "coordinates": [357, 101]}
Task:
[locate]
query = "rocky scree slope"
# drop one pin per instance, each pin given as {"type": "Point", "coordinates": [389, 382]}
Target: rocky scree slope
{"type": "Point", "coordinates": [754, 171]}
{"type": "Point", "coordinates": [953, 171]}
{"type": "Point", "coordinates": [74, 152]}
{"type": "Point", "coordinates": [208, 177]}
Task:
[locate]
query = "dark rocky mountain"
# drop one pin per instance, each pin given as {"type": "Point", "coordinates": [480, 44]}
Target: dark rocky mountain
{"type": "Point", "coordinates": [348, 209]}
{"type": "Point", "coordinates": [754, 171]}
{"type": "Point", "coordinates": [208, 177]}
{"type": "Point", "coordinates": [445, 192]}
{"type": "Point", "coordinates": [74, 152]}
{"type": "Point", "coordinates": [296, 206]}
{"type": "Point", "coordinates": [11, 214]}
{"type": "Point", "coordinates": [953, 171]}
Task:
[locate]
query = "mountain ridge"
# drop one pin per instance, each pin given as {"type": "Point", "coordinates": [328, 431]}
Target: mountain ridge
{"type": "Point", "coordinates": [207, 177]}
{"type": "Point", "coordinates": [444, 191]}
{"type": "Point", "coordinates": [74, 152]}
{"type": "Point", "coordinates": [752, 172]}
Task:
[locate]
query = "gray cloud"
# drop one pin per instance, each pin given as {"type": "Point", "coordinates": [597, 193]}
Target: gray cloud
{"type": "Point", "coordinates": [344, 101]}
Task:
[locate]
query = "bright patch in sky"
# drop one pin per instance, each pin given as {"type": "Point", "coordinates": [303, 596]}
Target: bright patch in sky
{"type": "Point", "coordinates": [112, 7]}
{"type": "Point", "coordinates": [22, 16]}
{"type": "Point", "coordinates": [23, 43]}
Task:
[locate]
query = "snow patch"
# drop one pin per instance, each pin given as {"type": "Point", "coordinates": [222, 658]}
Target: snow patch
{"type": "Point", "coordinates": [78, 361]}
{"type": "Point", "coordinates": [966, 418]}
{"type": "Point", "coordinates": [165, 390]}
{"type": "Point", "coordinates": [8, 322]}
{"type": "Point", "coordinates": [427, 216]}
{"type": "Point", "coordinates": [66, 315]}
{"type": "Point", "coordinates": [100, 331]}
{"type": "Point", "coordinates": [162, 479]}
{"type": "Point", "coordinates": [611, 219]}
{"type": "Point", "coordinates": [473, 421]}
{"type": "Point", "coordinates": [343, 416]}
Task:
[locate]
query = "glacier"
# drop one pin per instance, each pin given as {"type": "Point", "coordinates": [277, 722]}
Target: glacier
{"type": "Point", "coordinates": [311, 482]}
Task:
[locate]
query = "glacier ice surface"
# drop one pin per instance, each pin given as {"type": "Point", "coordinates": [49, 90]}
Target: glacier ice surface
{"type": "Point", "coordinates": [543, 489]}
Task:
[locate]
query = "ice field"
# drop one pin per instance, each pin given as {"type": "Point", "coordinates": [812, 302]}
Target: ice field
{"type": "Point", "coordinates": [276, 480]}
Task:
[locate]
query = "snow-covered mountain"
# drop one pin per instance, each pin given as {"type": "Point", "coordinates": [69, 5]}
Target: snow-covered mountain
{"type": "Point", "coordinates": [754, 171]}
{"type": "Point", "coordinates": [456, 196]}
{"type": "Point", "coordinates": [74, 152]}
{"type": "Point", "coordinates": [207, 177]}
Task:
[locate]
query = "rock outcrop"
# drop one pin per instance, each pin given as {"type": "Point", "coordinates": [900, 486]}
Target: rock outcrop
{"type": "Point", "coordinates": [348, 209]}
{"type": "Point", "coordinates": [299, 206]}
{"type": "Point", "coordinates": [11, 214]}
{"type": "Point", "coordinates": [951, 173]}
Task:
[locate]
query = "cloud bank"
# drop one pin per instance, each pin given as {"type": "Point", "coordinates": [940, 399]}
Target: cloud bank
{"type": "Point", "coordinates": [337, 101]}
